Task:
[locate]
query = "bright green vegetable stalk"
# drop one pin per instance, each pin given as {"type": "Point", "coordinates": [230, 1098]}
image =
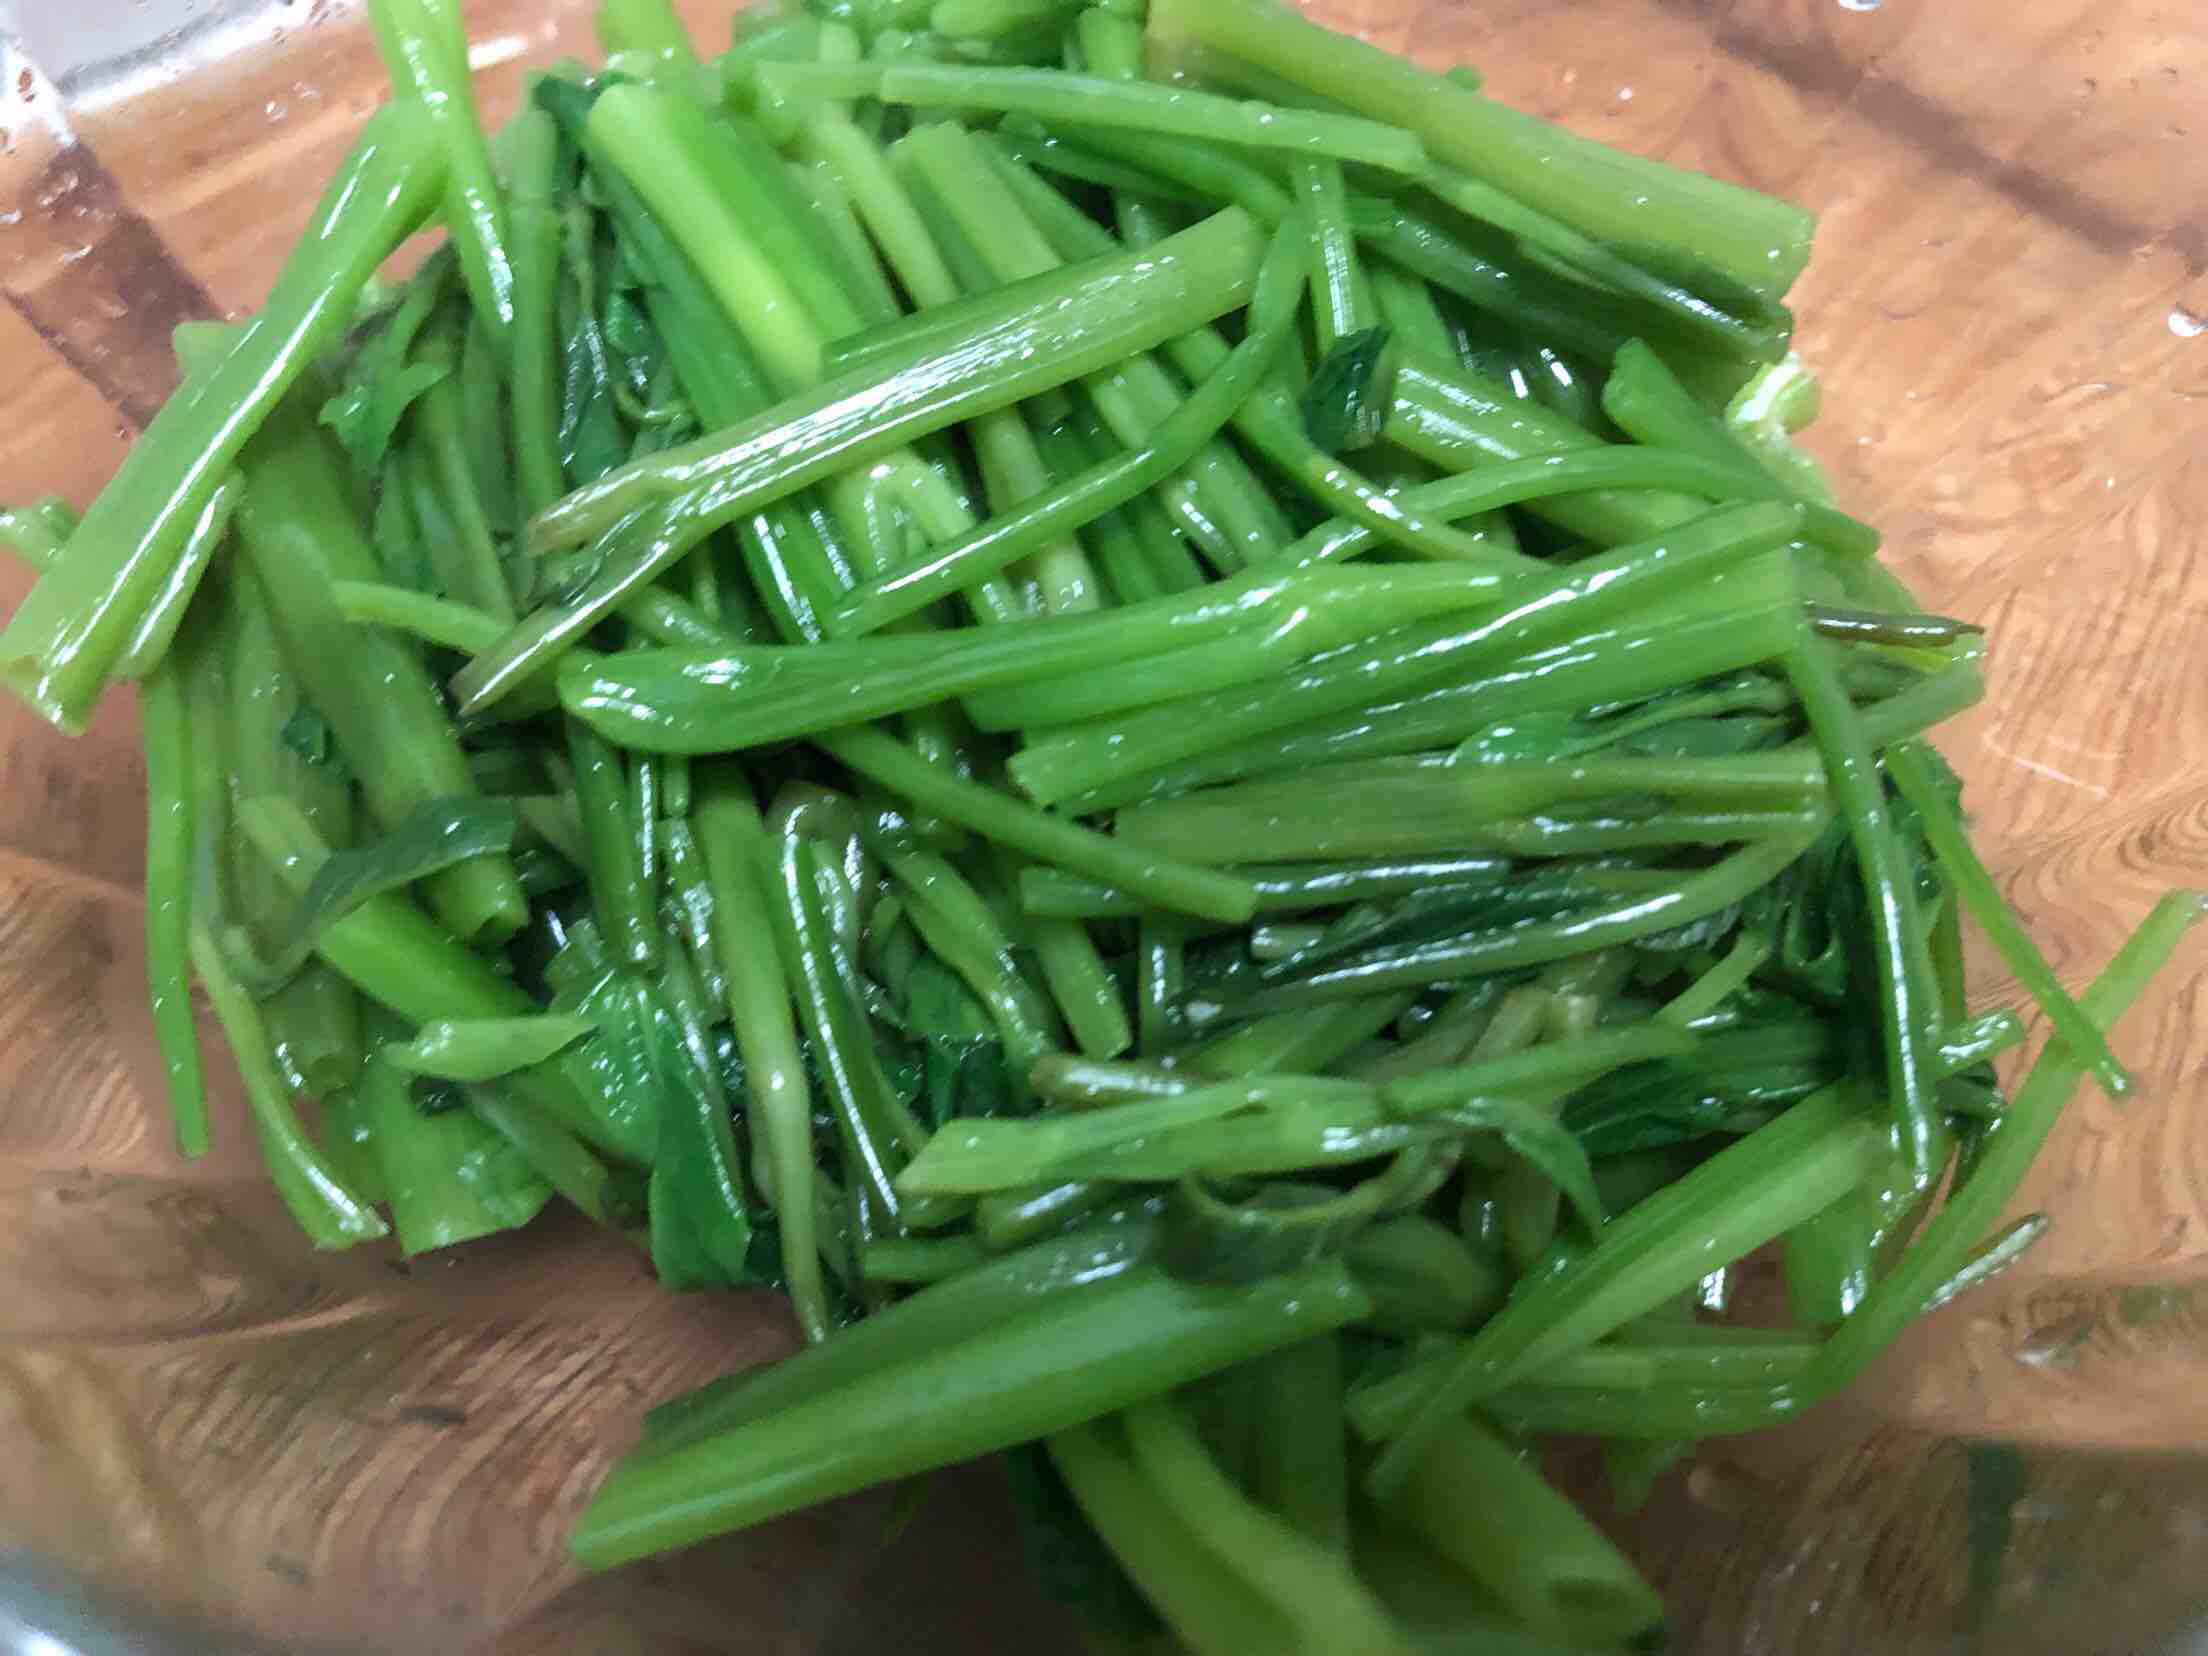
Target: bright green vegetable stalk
{"type": "Point", "coordinates": [448, 1178]}
{"type": "Point", "coordinates": [425, 47]}
{"type": "Point", "coordinates": [685, 493]}
{"type": "Point", "coordinates": [170, 855]}
{"type": "Point", "coordinates": [1086, 100]}
{"type": "Point", "coordinates": [332, 1215]}
{"type": "Point", "coordinates": [1054, 1367]}
{"type": "Point", "coordinates": [298, 531]}
{"type": "Point", "coordinates": [1753, 239]}
{"type": "Point", "coordinates": [737, 853]}
{"type": "Point", "coordinates": [62, 646]}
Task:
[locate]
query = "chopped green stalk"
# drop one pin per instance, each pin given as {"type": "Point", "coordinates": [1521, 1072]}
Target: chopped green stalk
{"type": "Point", "coordinates": [344, 1140]}
{"type": "Point", "coordinates": [1474, 954]}
{"type": "Point", "coordinates": [448, 504]}
{"type": "Point", "coordinates": [1299, 1041]}
{"type": "Point", "coordinates": [298, 531]}
{"type": "Point", "coordinates": [959, 930]}
{"type": "Point", "coordinates": [1049, 839]}
{"type": "Point", "coordinates": [1954, 1234]}
{"type": "Point", "coordinates": [561, 1159]}
{"type": "Point", "coordinates": [1670, 645]}
{"type": "Point", "coordinates": [1441, 809]}
{"type": "Point", "coordinates": [535, 224]}
{"type": "Point", "coordinates": [1286, 888]}
{"type": "Point", "coordinates": [425, 48]}
{"type": "Point", "coordinates": [1406, 304]}
{"type": "Point", "coordinates": [1079, 500]}
{"type": "Point", "coordinates": [315, 1018]}
{"type": "Point", "coordinates": [37, 533]}
{"type": "Point", "coordinates": [1518, 482]}
{"type": "Point", "coordinates": [395, 954]}
{"type": "Point", "coordinates": [725, 700]}
{"type": "Point", "coordinates": [1908, 1004]}
{"type": "Point", "coordinates": [1982, 900]}
{"type": "Point", "coordinates": [1064, 1363]}
{"type": "Point", "coordinates": [332, 1215]}
{"type": "Point", "coordinates": [626, 906]}
{"type": "Point", "coordinates": [992, 364]}
{"type": "Point", "coordinates": [449, 1178]}
{"type": "Point", "coordinates": [649, 26]}
{"type": "Point", "coordinates": [171, 857]}
{"type": "Point", "coordinates": [1974, 1042]}
{"type": "Point", "coordinates": [1477, 1503]}
{"type": "Point", "coordinates": [911, 1261]}
{"type": "Point", "coordinates": [483, 1049]}
{"type": "Point", "coordinates": [1459, 423]}
{"type": "Point", "coordinates": [1343, 298]}
{"type": "Point", "coordinates": [685, 165]}
{"type": "Point", "coordinates": [1269, 421]}
{"type": "Point", "coordinates": [1303, 1450]}
{"type": "Point", "coordinates": [992, 19]}
{"type": "Point", "coordinates": [2009, 1245]}
{"type": "Point", "coordinates": [738, 854]}
{"type": "Point", "coordinates": [875, 1133]}
{"type": "Point", "coordinates": [1707, 992]}
{"type": "Point", "coordinates": [714, 187]}
{"type": "Point", "coordinates": [824, 193]}
{"type": "Point", "coordinates": [1623, 200]}
{"type": "Point", "coordinates": [1715, 545]}
{"type": "Point", "coordinates": [444, 622]}
{"type": "Point", "coordinates": [1082, 1082]}
{"type": "Point", "coordinates": [972, 1157]}
{"type": "Point", "coordinates": [154, 635]}
{"type": "Point", "coordinates": [1765, 413]}
{"type": "Point", "coordinates": [1087, 994]}
{"type": "Point", "coordinates": [1093, 101]}
{"type": "Point", "coordinates": [1210, 1609]}
{"type": "Point", "coordinates": [1013, 1218]}
{"type": "Point", "coordinates": [1644, 399]}
{"type": "Point", "coordinates": [989, 1294]}
{"type": "Point", "coordinates": [1161, 953]}
{"type": "Point", "coordinates": [1735, 329]}
{"type": "Point", "coordinates": [1739, 1199]}
{"type": "Point", "coordinates": [1309, 1583]}
{"type": "Point", "coordinates": [1217, 501]}
{"type": "Point", "coordinates": [61, 647]}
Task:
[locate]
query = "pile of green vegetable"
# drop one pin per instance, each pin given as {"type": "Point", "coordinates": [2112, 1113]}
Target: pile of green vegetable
{"type": "Point", "coordinates": [1156, 708]}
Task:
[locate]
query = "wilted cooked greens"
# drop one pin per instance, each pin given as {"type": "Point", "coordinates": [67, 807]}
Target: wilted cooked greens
{"type": "Point", "coordinates": [1151, 704]}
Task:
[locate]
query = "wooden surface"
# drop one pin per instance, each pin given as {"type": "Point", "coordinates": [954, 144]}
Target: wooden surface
{"type": "Point", "coordinates": [342, 1453]}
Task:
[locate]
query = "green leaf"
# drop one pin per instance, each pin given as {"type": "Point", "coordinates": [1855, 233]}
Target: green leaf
{"type": "Point", "coordinates": [1733, 1076]}
{"type": "Point", "coordinates": [437, 835]}
{"type": "Point", "coordinates": [700, 1223]}
{"type": "Point", "coordinates": [307, 734]}
{"type": "Point", "coordinates": [366, 415]}
{"type": "Point", "coordinates": [569, 102]}
{"type": "Point", "coordinates": [1346, 402]}
{"type": "Point", "coordinates": [381, 383]}
{"type": "Point", "coordinates": [954, 1063]}
{"type": "Point", "coordinates": [615, 1064]}
{"type": "Point", "coordinates": [1064, 1555]}
{"type": "Point", "coordinates": [1533, 1132]}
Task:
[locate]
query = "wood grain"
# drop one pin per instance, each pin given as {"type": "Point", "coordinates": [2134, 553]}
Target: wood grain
{"type": "Point", "coordinates": [328, 1454]}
